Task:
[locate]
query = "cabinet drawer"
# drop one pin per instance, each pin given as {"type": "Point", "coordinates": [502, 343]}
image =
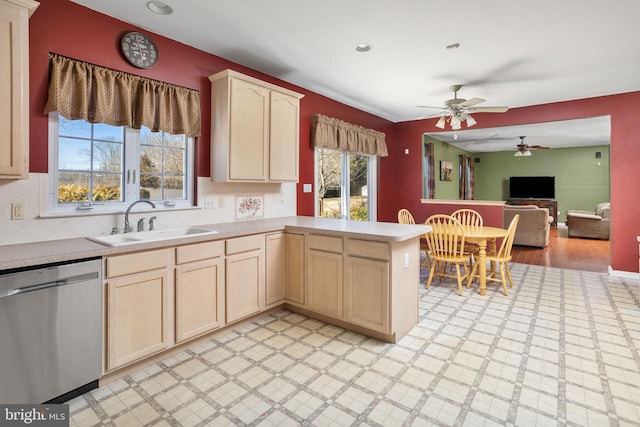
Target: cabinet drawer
{"type": "Point", "coordinates": [325, 243]}
{"type": "Point", "coordinates": [138, 262]}
{"type": "Point", "coordinates": [368, 249]}
{"type": "Point", "coordinates": [245, 244]}
{"type": "Point", "coordinates": [199, 251]}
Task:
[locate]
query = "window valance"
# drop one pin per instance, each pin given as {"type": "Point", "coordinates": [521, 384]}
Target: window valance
{"type": "Point", "coordinates": [80, 90]}
{"type": "Point", "coordinates": [327, 132]}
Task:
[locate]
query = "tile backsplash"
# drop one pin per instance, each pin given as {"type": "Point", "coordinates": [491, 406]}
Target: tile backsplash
{"type": "Point", "coordinates": [277, 200]}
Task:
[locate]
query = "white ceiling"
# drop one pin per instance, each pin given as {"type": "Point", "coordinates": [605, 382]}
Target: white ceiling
{"type": "Point", "coordinates": [560, 134]}
{"type": "Point", "coordinates": [513, 53]}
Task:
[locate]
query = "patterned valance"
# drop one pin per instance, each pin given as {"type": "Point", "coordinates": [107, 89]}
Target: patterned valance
{"type": "Point", "coordinates": [80, 90]}
{"type": "Point", "coordinates": [327, 132]}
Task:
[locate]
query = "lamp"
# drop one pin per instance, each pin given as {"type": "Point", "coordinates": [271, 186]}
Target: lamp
{"type": "Point", "coordinates": [441, 123]}
{"type": "Point", "coordinates": [455, 123]}
{"type": "Point", "coordinates": [470, 121]}
{"type": "Point", "coordinates": [522, 152]}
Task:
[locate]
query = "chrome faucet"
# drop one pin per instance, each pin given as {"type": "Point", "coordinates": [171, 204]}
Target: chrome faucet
{"type": "Point", "coordinates": [126, 214]}
{"type": "Point", "coordinates": [153, 218]}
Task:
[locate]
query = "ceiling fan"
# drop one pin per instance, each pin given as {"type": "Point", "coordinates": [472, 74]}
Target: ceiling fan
{"type": "Point", "coordinates": [458, 110]}
{"type": "Point", "coordinates": [525, 149]}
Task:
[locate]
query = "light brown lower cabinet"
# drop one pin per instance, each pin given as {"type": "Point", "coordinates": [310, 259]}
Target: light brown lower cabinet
{"type": "Point", "coordinates": [294, 268]}
{"type": "Point", "coordinates": [199, 289]}
{"type": "Point", "coordinates": [138, 306]}
{"type": "Point", "coordinates": [159, 298]}
{"type": "Point", "coordinates": [367, 284]}
{"type": "Point", "coordinates": [275, 268]}
{"type": "Point", "coordinates": [245, 281]}
{"type": "Point", "coordinates": [284, 268]}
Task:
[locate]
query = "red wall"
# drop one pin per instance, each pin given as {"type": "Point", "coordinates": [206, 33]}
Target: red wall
{"type": "Point", "coordinates": [405, 172]}
{"type": "Point", "coordinates": [63, 27]}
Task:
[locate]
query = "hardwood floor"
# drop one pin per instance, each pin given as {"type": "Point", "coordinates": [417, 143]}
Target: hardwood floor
{"type": "Point", "coordinates": [564, 252]}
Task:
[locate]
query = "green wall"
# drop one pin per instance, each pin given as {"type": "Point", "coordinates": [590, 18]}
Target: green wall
{"type": "Point", "coordinates": [446, 190]}
{"type": "Point", "coordinates": [582, 180]}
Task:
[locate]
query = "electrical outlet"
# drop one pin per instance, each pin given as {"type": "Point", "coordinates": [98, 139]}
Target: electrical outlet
{"type": "Point", "coordinates": [18, 210]}
{"type": "Point", "coordinates": [210, 202]}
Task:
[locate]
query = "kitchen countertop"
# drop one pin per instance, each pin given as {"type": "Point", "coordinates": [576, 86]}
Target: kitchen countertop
{"type": "Point", "coordinates": [38, 253]}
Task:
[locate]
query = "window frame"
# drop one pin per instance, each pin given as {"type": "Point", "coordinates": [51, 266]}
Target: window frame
{"type": "Point", "coordinates": [131, 165]}
{"type": "Point", "coordinates": [345, 188]}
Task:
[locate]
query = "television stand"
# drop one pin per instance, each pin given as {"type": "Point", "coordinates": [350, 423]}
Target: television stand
{"type": "Point", "coordinates": [552, 205]}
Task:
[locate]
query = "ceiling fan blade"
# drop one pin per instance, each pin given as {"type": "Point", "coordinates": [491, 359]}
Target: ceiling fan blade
{"type": "Point", "coordinates": [489, 109]}
{"type": "Point", "coordinates": [471, 102]}
{"type": "Point", "coordinates": [428, 106]}
{"type": "Point", "coordinates": [538, 147]}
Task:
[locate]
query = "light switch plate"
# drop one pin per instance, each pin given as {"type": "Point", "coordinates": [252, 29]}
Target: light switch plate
{"type": "Point", "coordinates": [306, 188]}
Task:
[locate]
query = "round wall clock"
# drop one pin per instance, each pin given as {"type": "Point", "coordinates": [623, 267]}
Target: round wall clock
{"type": "Point", "coordinates": [139, 50]}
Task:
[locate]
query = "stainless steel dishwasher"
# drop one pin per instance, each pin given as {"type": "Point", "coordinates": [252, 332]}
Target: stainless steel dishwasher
{"type": "Point", "coordinates": [50, 332]}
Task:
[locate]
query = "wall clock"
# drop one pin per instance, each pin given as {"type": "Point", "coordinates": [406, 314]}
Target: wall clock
{"type": "Point", "coordinates": [139, 50]}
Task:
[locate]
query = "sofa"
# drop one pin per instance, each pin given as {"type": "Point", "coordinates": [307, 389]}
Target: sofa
{"type": "Point", "coordinates": [590, 225]}
{"type": "Point", "coordinates": [533, 226]}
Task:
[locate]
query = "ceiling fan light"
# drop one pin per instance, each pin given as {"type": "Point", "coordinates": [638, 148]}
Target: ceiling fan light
{"type": "Point", "coordinates": [526, 153]}
{"type": "Point", "coordinates": [517, 154]}
{"type": "Point", "coordinates": [441, 123]}
{"type": "Point", "coordinates": [455, 122]}
{"type": "Point", "coordinates": [470, 121]}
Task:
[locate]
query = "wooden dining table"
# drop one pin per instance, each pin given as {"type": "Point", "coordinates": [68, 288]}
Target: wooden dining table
{"type": "Point", "coordinates": [483, 235]}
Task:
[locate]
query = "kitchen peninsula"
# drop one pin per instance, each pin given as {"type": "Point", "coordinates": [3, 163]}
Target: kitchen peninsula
{"type": "Point", "coordinates": [361, 276]}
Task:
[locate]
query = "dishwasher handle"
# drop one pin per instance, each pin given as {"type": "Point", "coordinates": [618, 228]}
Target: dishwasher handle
{"type": "Point", "coordinates": [62, 282]}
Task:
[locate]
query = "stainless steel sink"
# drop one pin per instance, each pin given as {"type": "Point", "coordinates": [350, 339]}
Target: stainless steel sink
{"type": "Point", "coordinates": [149, 236]}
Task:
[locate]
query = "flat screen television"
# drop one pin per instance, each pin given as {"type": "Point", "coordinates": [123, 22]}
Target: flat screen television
{"type": "Point", "coordinates": [532, 187]}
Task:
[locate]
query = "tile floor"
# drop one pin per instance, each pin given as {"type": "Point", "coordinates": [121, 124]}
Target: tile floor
{"type": "Point", "coordinates": [563, 349]}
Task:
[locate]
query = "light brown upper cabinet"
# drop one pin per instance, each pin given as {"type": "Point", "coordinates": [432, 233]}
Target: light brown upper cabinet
{"type": "Point", "coordinates": [255, 128]}
{"type": "Point", "coordinates": [14, 87]}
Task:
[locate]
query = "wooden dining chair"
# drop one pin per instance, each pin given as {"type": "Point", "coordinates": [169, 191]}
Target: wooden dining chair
{"type": "Point", "coordinates": [502, 257]}
{"type": "Point", "coordinates": [469, 217]}
{"type": "Point", "coordinates": [405, 217]}
{"type": "Point", "coordinates": [446, 245]}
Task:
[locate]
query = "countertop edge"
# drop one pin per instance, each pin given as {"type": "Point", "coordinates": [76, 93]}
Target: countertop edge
{"type": "Point", "coordinates": [26, 255]}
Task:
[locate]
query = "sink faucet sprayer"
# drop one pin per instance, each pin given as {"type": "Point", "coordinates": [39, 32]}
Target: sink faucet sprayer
{"type": "Point", "coordinates": [126, 214]}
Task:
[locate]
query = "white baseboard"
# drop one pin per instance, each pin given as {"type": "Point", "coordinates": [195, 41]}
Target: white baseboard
{"type": "Point", "coordinates": [625, 274]}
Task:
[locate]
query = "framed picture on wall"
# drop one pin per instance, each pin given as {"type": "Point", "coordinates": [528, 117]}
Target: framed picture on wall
{"type": "Point", "coordinates": [446, 171]}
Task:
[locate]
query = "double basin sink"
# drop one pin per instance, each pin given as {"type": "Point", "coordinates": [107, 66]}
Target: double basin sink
{"type": "Point", "coordinates": [150, 236]}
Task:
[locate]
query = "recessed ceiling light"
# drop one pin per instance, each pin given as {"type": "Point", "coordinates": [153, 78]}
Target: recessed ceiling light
{"type": "Point", "coordinates": [158, 7]}
{"type": "Point", "coordinates": [363, 47]}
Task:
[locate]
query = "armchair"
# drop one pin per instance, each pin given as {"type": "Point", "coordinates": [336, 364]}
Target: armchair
{"type": "Point", "coordinates": [592, 225]}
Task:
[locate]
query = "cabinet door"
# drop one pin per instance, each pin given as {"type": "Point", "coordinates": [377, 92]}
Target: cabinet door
{"type": "Point", "coordinates": [14, 88]}
{"type": "Point", "coordinates": [284, 137]}
{"type": "Point", "coordinates": [199, 298]}
{"type": "Point", "coordinates": [244, 287]}
{"type": "Point", "coordinates": [249, 131]}
{"type": "Point", "coordinates": [367, 293]}
{"type": "Point", "coordinates": [137, 317]}
{"type": "Point", "coordinates": [324, 282]}
{"type": "Point", "coordinates": [275, 266]}
{"type": "Point", "coordinates": [294, 268]}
